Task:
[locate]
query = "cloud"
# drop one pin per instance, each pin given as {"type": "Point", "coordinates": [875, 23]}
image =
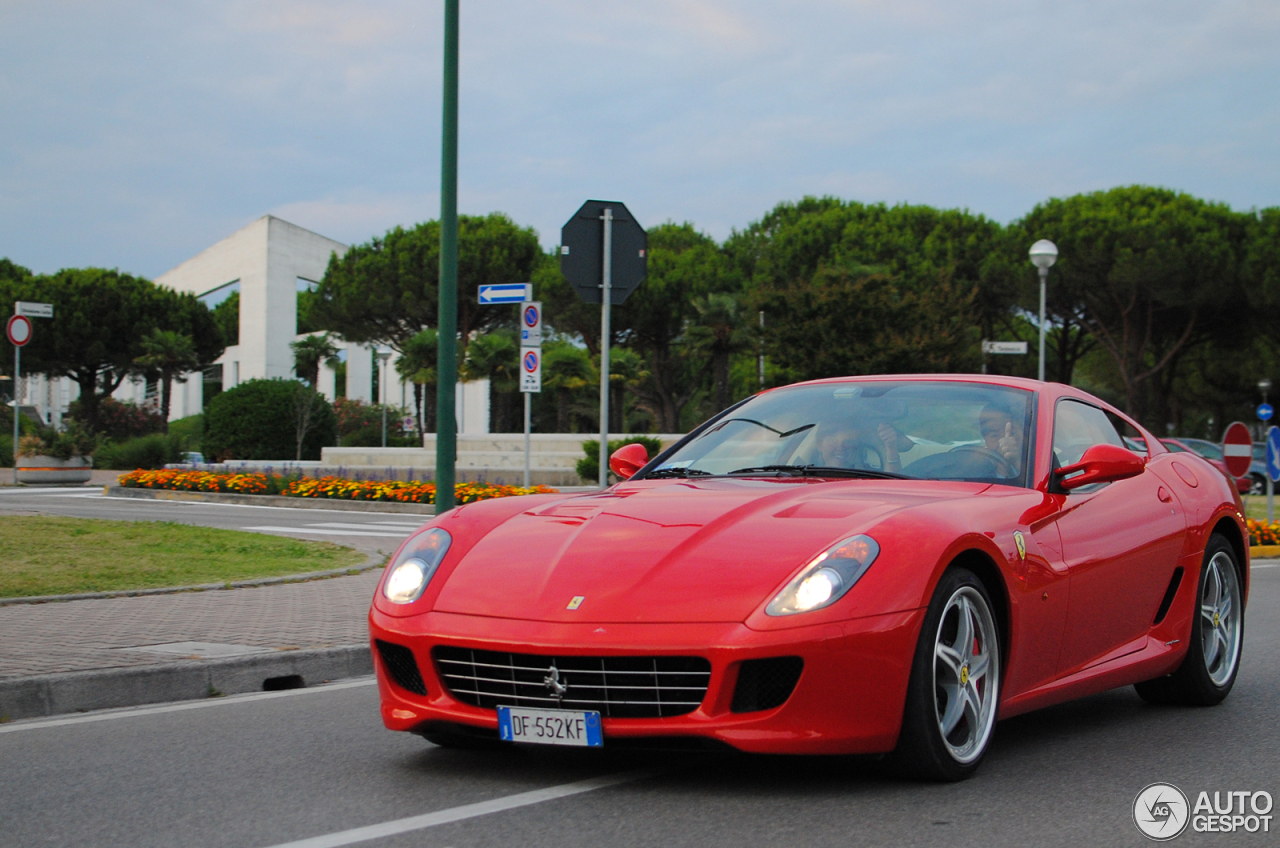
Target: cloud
{"type": "Point", "coordinates": [140, 133]}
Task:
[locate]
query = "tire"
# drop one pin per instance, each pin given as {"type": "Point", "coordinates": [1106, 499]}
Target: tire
{"type": "Point", "coordinates": [950, 713]}
{"type": "Point", "coordinates": [1209, 669]}
{"type": "Point", "coordinates": [1258, 485]}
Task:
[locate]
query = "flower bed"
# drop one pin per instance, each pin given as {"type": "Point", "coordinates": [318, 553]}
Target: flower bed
{"type": "Point", "coordinates": [1262, 533]}
{"type": "Point", "coordinates": [411, 491]}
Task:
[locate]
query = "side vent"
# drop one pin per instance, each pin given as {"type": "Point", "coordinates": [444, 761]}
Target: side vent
{"type": "Point", "coordinates": [765, 684]}
{"type": "Point", "coordinates": [400, 664]}
{"type": "Point", "coordinates": [1174, 583]}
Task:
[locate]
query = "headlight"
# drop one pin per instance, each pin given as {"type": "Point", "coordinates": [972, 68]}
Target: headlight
{"type": "Point", "coordinates": [412, 570]}
{"type": "Point", "coordinates": [824, 580]}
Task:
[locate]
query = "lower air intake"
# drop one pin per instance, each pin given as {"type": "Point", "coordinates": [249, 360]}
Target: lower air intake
{"type": "Point", "coordinates": [765, 684]}
{"type": "Point", "coordinates": [403, 668]}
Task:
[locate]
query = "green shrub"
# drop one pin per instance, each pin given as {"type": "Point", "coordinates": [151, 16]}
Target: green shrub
{"type": "Point", "coordinates": [589, 466]}
{"type": "Point", "coordinates": [120, 420]}
{"type": "Point", "coordinates": [259, 419]}
{"type": "Point", "coordinates": [153, 451]}
{"type": "Point", "coordinates": [188, 431]}
{"type": "Point", "coordinates": [6, 450]}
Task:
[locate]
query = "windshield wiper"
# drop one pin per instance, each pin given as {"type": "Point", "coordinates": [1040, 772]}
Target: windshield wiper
{"type": "Point", "coordinates": [822, 471]}
{"type": "Point", "coordinates": [677, 472]}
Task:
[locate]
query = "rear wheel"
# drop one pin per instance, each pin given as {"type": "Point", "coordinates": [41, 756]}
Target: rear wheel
{"type": "Point", "coordinates": [1208, 671]}
{"type": "Point", "coordinates": [954, 689]}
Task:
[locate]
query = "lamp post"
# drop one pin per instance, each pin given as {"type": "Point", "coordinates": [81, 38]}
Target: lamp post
{"type": "Point", "coordinates": [1264, 386]}
{"type": "Point", "coordinates": [1043, 254]}
{"type": "Point", "coordinates": [383, 356]}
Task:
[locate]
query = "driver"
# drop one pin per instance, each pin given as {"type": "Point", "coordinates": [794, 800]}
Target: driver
{"type": "Point", "coordinates": [999, 435]}
{"type": "Point", "coordinates": [845, 444]}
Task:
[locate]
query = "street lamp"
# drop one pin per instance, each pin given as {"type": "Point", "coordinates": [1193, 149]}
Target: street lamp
{"type": "Point", "coordinates": [383, 356]}
{"type": "Point", "coordinates": [1043, 254]}
{"type": "Point", "coordinates": [1264, 386]}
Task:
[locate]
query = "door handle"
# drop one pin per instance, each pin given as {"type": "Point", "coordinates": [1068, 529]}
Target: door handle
{"type": "Point", "coordinates": [1163, 494]}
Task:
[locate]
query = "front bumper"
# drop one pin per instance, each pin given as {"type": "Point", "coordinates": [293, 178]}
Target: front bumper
{"type": "Point", "coordinates": [849, 698]}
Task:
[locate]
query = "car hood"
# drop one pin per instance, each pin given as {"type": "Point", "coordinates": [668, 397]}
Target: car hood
{"type": "Point", "coordinates": [669, 551]}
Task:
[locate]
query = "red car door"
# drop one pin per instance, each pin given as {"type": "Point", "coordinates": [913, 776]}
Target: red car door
{"type": "Point", "coordinates": [1121, 542]}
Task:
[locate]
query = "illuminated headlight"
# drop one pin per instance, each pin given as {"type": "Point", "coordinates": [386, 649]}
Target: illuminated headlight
{"type": "Point", "coordinates": [412, 569]}
{"type": "Point", "coordinates": [827, 577]}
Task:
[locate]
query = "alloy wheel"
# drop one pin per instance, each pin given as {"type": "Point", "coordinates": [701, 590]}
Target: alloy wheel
{"type": "Point", "coordinates": [966, 674]}
{"type": "Point", "coordinates": [1220, 619]}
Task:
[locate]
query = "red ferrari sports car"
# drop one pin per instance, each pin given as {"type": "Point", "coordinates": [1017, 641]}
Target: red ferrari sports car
{"type": "Point", "coordinates": [861, 565]}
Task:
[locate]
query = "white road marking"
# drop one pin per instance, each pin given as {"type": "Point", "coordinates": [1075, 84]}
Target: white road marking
{"type": "Point", "coordinates": [269, 529]}
{"type": "Point", "coordinates": [372, 525]}
{"type": "Point", "coordinates": [466, 811]}
{"type": "Point", "coordinates": [134, 712]}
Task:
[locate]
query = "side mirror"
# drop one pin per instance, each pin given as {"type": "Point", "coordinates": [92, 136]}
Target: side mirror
{"type": "Point", "coordinates": [1101, 464]}
{"type": "Point", "coordinates": [628, 459]}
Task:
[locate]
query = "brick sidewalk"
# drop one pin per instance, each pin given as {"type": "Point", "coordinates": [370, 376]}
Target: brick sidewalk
{"type": "Point", "coordinates": [82, 635]}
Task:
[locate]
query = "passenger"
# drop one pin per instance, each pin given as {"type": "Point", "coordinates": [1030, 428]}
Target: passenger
{"type": "Point", "coordinates": [845, 444]}
{"type": "Point", "coordinates": [999, 435]}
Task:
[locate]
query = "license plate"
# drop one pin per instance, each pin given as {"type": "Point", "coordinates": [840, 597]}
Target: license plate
{"type": "Point", "coordinates": [550, 727]}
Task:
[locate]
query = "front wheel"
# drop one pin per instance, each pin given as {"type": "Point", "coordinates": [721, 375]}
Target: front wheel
{"type": "Point", "coordinates": [1208, 671]}
{"type": "Point", "coordinates": [954, 689]}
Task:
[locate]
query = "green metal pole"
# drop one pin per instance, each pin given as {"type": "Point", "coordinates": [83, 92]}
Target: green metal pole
{"type": "Point", "coordinates": [447, 361]}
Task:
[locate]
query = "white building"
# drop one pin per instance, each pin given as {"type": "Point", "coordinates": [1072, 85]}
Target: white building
{"type": "Point", "coordinates": [267, 263]}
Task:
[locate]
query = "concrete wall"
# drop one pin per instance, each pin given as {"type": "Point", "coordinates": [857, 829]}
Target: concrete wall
{"type": "Point", "coordinates": [266, 258]}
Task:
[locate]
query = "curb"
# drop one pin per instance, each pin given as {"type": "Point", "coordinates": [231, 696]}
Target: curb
{"type": "Point", "coordinates": [81, 691]}
{"type": "Point", "coordinates": [1264, 551]}
{"type": "Point", "coordinates": [375, 561]}
{"type": "Point", "coordinates": [269, 500]}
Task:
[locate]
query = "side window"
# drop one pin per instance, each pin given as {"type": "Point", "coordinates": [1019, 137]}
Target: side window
{"type": "Point", "coordinates": [1078, 427]}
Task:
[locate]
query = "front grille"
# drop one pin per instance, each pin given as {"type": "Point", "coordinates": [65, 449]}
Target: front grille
{"type": "Point", "coordinates": [616, 687]}
{"type": "Point", "coordinates": [402, 667]}
{"type": "Point", "coordinates": [765, 684]}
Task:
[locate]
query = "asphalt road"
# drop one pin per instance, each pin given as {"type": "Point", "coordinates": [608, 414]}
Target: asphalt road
{"type": "Point", "coordinates": [267, 770]}
{"type": "Point", "coordinates": [371, 532]}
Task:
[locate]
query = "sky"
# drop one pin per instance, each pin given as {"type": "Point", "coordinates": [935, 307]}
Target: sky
{"type": "Point", "coordinates": [135, 134]}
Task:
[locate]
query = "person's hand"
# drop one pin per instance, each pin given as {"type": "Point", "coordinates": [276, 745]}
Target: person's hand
{"type": "Point", "coordinates": [890, 437]}
{"type": "Point", "coordinates": [1008, 445]}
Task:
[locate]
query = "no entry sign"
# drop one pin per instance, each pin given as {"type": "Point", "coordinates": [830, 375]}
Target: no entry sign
{"type": "Point", "coordinates": [19, 330]}
{"type": "Point", "coordinates": [1237, 449]}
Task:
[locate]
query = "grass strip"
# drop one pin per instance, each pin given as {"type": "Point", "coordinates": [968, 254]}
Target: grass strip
{"type": "Point", "coordinates": [46, 555]}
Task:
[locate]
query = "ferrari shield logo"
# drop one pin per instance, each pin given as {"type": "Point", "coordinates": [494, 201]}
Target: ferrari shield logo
{"type": "Point", "coordinates": [1022, 545]}
{"type": "Point", "coordinates": [576, 602]}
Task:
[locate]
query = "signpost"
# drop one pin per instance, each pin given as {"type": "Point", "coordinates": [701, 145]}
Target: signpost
{"type": "Point", "coordinates": [1237, 449]}
{"type": "Point", "coordinates": [531, 324]}
{"type": "Point", "coordinates": [1273, 469]}
{"type": "Point", "coordinates": [530, 380]}
{"type": "Point", "coordinates": [604, 256]}
{"type": "Point", "coordinates": [505, 293]}
{"type": "Point", "coordinates": [19, 332]}
{"type": "Point", "coordinates": [1000, 347]}
{"type": "Point", "coordinates": [1265, 412]}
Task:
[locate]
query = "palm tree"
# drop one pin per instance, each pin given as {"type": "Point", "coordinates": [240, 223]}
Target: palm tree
{"type": "Point", "coordinates": [495, 356]}
{"type": "Point", "coordinates": [719, 332]}
{"type": "Point", "coordinates": [172, 355]}
{"type": "Point", "coordinates": [309, 352]}
{"type": "Point", "coordinates": [417, 364]}
{"type": "Point", "coordinates": [565, 369]}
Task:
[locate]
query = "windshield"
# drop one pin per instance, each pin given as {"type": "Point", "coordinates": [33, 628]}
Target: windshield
{"type": "Point", "coordinates": [927, 430]}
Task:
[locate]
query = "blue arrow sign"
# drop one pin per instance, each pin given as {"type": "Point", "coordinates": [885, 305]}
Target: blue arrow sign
{"type": "Point", "coordinates": [1273, 453]}
{"type": "Point", "coordinates": [1265, 412]}
{"type": "Point", "coordinates": [506, 293]}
